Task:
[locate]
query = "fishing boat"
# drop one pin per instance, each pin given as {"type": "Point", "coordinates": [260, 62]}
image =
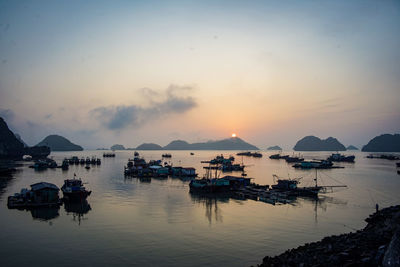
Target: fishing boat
{"type": "Point", "coordinates": [65, 165]}
{"type": "Point", "coordinates": [323, 164]}
{"type": "Point", "coordinates": [340, 158]}
{"type": "Point", "coordinates": [167, 155]}
{"type": "Point", "coordinates": [244, 154]}
{"type": "Point", "coordinates": [73, 189]}
{"type": "Point", "coordinates": [291, 188]}
{"type": "Point", "coordinates": [209, 183]}
{"type": "Point", "coordinates": [278, 156]}
{"type": "Point", "coordinates": [293, 159]}
{"type": "Point", "coordinates": [256, 155]}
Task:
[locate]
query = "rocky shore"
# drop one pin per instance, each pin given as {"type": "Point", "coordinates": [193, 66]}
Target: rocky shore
{"type": "Point", "coordinates": [378, 244]}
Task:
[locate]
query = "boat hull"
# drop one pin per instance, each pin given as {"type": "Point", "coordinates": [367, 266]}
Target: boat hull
{"type": "Point", "coordinates": [76, 196]}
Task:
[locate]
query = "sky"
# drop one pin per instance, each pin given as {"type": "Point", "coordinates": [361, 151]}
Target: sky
{"type": "Point", "coordinates": [129, 72]}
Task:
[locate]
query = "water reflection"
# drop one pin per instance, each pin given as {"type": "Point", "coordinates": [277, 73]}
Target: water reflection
{"type": "Point", "coordinates": [210, 201]}
{"type": "Point", "coordinates": [5, 180]}
{"type": "Point", "coordinates": [7, 170]}
{"type": "Point", "coordinates": [77, 209]}
{"type": "Point", "coordinates": [45, 213]}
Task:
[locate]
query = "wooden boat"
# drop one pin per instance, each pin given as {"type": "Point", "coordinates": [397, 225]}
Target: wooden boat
{"type": "Point", "coordinates": [73, 189]}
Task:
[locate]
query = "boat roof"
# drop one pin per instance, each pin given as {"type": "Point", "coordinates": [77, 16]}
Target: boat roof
{"type": "Point", "coordinates": [155, 167]}
{"type": "Point", "coordinates": [43, 185]}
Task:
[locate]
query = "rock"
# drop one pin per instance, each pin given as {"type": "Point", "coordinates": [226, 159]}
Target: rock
{"type": "Point", "coordinates": [312, 143]}
{"type": "Point", "coordinates": [383, 143]}
{"type": "Point", "coordinates": [20, 139]}
{"type": "Point", "coordinates": [149, 146]}
{"type": "Point", "coordinates": [59, 143]}
{"type": "Point", "coordinates": [117, 147]}
{"type": "Point", "coordinates": [351, 147]}
{"type": "Point", "coordinates": [10, 146]}
{"type": "Point", "coordinates": [367, 247]}
{"type": "Point", "coordinates": [234, 143]}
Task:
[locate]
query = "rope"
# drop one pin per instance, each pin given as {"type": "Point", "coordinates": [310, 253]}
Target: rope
{"type": "Point", "coordinates": [333, 178]}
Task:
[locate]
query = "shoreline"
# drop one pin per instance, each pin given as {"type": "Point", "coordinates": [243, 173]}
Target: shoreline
{"type": "Point", "coordinates": [378, 244]}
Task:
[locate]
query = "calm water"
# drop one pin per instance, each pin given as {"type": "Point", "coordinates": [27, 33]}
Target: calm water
{"type": "Point", "coordinates": [128, 222]}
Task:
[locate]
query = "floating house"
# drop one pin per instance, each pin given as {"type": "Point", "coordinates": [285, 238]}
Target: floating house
{"type": "Point", "coordinates": [41, 194]}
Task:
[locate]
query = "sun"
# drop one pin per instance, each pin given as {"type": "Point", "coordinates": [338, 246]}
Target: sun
{"type": "Point", "coordinates": [233, 135]}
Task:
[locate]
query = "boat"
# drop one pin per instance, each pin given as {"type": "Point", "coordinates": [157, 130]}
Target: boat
{"type": "Point", "coordinates": [65, 165]}
{"type": "Point", "coordinates": [136, 154]}
{"type": "Point", "coordinates": [191, 153]}
{"type": "Point", "coordinates": [250, 154]}
{"type": "Point", "coordinates": [244, 154]}
{"type": "Point", "coordinates": [398, 164]}
{"type": "Point", "coordinates": [40, 165]}
{"type": "Point", "coordinates": [384, 156]}
{"type": "Point", "coordinates": [183, 172]}
{"type": "Point", "coordinates": [42, 194]}
{"type": "Point", "coordinates": [278, 156]}
{"type": "Point", "coordinates": [167, 155]}
{"type": "Point", "coordinates": [293, 159]}
{"type": "Point", "coordinates": [322, 164]}
{"type": "Point", "coordinates": [209, 184]}
{"type": "Point", "coordinates": [257, 155]}
{"type": "Point", "coordinates": [275, 156]}
{"type": "Point", "coordinates": [73, 189]}
{"type": "Point", "coordinates": [340, 158]}
{"type": "Point", "coordinates": [290, 187]}
{"type": "Point", "coordinates": [229, 167]}
{"type": "Point", "coordinates": [87, 167]}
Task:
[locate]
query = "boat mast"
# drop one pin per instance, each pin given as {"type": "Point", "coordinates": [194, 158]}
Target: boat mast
{"type": "Point", "coordinates": [316, 180]}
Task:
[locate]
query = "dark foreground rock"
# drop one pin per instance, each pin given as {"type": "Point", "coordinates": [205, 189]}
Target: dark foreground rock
{"type": "Point", "coordinates": [376, 245]}
{"type": "Point", "coordinates": [14, 149]}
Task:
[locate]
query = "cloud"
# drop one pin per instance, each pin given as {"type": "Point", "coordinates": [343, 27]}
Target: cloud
{"type": "Point", "coordinates": [7, 114]}
{"type": "Point", "coordinates": [171, 101]}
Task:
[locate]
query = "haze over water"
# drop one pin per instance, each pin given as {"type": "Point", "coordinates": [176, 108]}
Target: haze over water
{"type": "Point", "coordinates": [159, 223]}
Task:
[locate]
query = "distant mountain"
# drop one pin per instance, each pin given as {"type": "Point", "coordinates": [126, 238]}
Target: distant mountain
{"type": "Point", "coordinates": [149, 146]}
{"type": "Point", "coordinates": [59, 143]}
{"type": "Point", "coordinates": [178, 145]}
{"type": "Point", "coordinates": [274, 148]}
{"type": "Point", "coordinates": [351, 147]}
{"type": "Point", "coordinates": [117, 147]}
{"type": "Point", "coordinates": [234, 143]}
{"type": "Point", "coordinates": [383, 143]}
{"type": "Point", "coordinates": [312, 143]}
